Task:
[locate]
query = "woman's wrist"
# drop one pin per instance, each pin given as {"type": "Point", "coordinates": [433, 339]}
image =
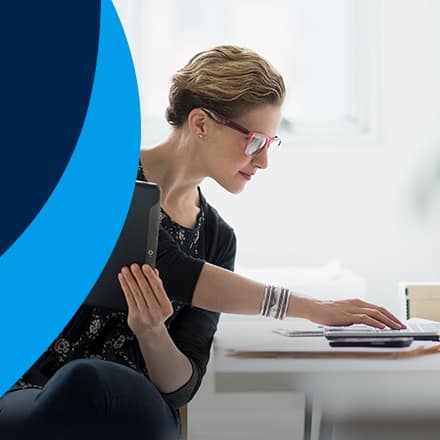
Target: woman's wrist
{"type": "Point", "coordinates": [279, 303]}
{"type": "Point", "coordinates": [153, 336]}
{"type": "Point", "coordinates": [301, 307]}
{"type": "Point", "coordinates": [275, 302]}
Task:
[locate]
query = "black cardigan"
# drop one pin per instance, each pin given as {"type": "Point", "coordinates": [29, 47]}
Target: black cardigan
{"type": "Point", "coordinates": [191, 328]}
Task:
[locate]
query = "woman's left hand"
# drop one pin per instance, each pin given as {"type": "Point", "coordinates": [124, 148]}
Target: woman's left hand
{"type": "Point", "coordinates": [148, 304]}
{"type": "Point", "coordinates": [348, 312]}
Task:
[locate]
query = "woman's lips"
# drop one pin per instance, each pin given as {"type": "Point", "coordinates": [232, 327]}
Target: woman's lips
{"type": "Point", "coordinates": [245, 175]}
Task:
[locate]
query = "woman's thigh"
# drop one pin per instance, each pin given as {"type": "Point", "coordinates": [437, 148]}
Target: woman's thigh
{"type": "Point", "coordinates": [94, 396]}
{"type": "Point", "coordinates": [16, 408]}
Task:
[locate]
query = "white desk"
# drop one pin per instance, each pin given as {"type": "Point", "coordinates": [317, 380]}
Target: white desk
{"type": "Point", "coordinates": [350, 392]}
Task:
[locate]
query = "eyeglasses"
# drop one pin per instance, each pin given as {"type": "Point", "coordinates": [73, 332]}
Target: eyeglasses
{"type": "Point", "coordinates": [255, 141]}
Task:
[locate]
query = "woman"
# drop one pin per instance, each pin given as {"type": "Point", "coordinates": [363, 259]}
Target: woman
{"type": "Point", "coordinates": [111, 372]}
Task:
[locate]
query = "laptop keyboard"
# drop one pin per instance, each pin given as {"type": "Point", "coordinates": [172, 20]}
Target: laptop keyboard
{"type": "Point", "coordinates": [426, 327]}
{"type": "Point", "coordinates": [423, 326]}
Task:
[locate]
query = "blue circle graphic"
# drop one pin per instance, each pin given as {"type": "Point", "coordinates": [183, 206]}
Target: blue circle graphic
{"type": "Point", "coordinates": [51, 267]}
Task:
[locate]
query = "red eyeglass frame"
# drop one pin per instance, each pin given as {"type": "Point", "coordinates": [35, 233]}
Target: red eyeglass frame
{"type": "Point", "coordinates": [249, 133]}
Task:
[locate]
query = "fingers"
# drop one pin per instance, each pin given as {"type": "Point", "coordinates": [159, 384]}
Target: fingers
{"type": "Point", "coordinates": [134, 289]}
{"type": "Point", "coordinates": [396, 323]}
{"type": "Point", "coordinates": [382, 318]}
{"type": "Point", "coordinates": [368, 320]}
{"type": "Point", "coordinates": [382, 314]}
{"type": "Point", "coordinates": [146, 290]}
{"type": "Point", "coordinates": [152, 288]}
{"type": "Point", "coordinates": [127, 292]}
{"type": "Point", "coordinates": [158, 289]}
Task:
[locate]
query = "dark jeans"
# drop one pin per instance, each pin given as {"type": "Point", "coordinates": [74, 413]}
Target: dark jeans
{"type": "Point", "coordinates": [89, 398]}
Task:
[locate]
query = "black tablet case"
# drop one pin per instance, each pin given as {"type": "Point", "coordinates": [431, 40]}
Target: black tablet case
{"type": "Point", "coordinates": [137, 243]}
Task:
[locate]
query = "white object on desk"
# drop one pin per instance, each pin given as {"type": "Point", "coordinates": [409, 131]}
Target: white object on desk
{"type": "Point", "coordinates": [295, 333]}
{"type": "Point", "coordinates": [329, 281]}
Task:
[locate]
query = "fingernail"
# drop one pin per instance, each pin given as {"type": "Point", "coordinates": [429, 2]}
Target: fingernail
{"type": "Point", "coordinates": [125, 269]}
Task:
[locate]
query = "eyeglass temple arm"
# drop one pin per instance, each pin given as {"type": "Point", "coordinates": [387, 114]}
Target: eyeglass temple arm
{"type": "Point", "coordinates": [225, 121]}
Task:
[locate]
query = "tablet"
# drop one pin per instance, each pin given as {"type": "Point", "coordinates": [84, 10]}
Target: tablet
{"type": "Point", "coordinates": [137, 243]}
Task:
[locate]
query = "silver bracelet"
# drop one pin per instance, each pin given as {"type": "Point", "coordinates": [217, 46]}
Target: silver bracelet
{"type": "Point", "coordinates": [275, 302]}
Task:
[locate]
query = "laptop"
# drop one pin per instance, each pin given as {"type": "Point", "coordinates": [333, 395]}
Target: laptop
{"type": "Point", "coordinates": [137, 243]}
{"type": "Point", "coordinates": [417, 328]}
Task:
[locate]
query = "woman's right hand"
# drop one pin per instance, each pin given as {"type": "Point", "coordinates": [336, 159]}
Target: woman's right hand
{"type": "Point", "coordinates": [345, 312]}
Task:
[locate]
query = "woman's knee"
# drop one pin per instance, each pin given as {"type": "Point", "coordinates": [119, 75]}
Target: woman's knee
{"type": "Point", "coordinates": [78, 375]}
{"type": "Point", "coordinates": [77, 386]}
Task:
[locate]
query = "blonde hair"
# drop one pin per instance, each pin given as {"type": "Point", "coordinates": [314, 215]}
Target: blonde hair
{"type": "Point", "coordinates": [228, 79]}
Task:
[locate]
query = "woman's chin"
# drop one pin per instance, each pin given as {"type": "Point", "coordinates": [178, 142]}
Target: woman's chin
{"type": "Point", "coordinates": [233, 187]}
{"type": "Point", "coordinates": [237, 191]}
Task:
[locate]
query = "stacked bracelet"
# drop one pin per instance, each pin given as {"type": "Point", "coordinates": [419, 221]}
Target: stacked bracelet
{"type": "Point", "coordinates": [275, 302]}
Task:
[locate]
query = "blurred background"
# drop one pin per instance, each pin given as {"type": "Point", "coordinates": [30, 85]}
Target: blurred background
{"type": "Point", "coordinates": [350, 205]}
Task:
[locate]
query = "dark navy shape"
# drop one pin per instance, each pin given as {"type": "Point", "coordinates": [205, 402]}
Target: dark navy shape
{"type": "Point", "coordinates": [48, 61]}
{"type": "Point", "coordinates": [51, 267]}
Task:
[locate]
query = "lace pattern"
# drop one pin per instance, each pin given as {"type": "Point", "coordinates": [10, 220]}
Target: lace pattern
{"type": "Point", "coordinates": [97, 333]}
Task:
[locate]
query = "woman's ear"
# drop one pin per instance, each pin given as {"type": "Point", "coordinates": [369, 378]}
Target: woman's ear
{"type": "Point", "coordinates": [197, 122]}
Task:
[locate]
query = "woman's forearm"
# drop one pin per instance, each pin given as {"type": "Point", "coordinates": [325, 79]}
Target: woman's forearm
{"type": "Point", "coordinates": [168, 368]}
{"type": "Point", "coordinates": [221, 290]}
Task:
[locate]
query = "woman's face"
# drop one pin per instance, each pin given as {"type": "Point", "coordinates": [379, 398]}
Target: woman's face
{"type": "Point", "coordinates": [224, 147]}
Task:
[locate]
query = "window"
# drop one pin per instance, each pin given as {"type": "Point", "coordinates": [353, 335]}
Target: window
{"type": "Point", "coordinates": [326, 50]}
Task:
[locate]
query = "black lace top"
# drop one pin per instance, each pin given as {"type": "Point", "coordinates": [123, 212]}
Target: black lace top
{"type": "Point", "coordinates": [100, 333]}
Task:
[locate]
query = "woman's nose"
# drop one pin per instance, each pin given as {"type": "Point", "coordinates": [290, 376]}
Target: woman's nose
{"type": "Point", "coordinates": [261, 160]}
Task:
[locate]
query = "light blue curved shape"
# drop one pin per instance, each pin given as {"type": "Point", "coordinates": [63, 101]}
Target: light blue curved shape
{"type": "Point", "coordinates": [49, 270]}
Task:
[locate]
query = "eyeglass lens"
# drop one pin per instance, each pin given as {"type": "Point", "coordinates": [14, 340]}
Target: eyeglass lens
{"type": "Point", "coordinates": [258, 142]}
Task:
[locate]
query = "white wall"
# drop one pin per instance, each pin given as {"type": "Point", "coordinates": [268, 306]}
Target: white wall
{"type": "Point", "coordinates": [357, 204]}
